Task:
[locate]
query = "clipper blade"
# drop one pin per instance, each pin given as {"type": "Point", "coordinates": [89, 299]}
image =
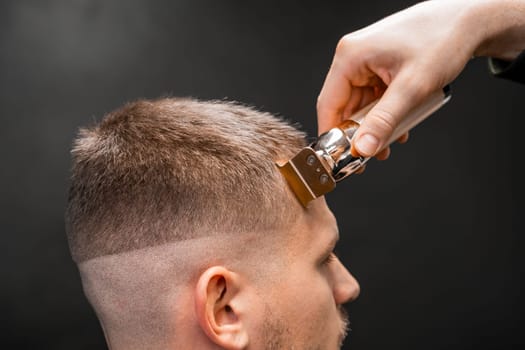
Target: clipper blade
{"type": "Point", "coordinates": [307, 176]}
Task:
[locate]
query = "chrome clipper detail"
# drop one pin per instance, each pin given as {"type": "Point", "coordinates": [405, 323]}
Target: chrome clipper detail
{"type": "Point", "coordinates": [315, 170]}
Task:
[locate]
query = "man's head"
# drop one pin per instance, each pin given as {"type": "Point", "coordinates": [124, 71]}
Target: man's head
{"type": "Point", "coordinates": [187, 236]}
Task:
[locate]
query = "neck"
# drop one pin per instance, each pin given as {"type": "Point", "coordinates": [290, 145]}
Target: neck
{"type": "Point", "coordinates": [191, 337]}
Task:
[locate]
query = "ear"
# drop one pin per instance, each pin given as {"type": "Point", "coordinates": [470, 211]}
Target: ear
{"type": "Point", "coordinates": [219, 308]}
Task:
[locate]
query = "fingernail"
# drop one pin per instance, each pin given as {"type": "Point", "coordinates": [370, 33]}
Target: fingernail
{"type": "Point", "coordinates": [367, 144]}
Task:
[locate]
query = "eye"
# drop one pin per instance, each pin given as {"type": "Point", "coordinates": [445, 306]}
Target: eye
{"type": "Point", "coordinates": [330, 258]}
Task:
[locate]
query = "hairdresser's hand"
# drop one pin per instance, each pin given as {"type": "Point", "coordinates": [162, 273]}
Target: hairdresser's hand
{"type": "Point", "coordinates": [405, 57]}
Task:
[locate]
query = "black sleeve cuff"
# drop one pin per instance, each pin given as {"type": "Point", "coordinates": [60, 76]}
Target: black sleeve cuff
{"type": "Point", "coordinates": [514, 70]}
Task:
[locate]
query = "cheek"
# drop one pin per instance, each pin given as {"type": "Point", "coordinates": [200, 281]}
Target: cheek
{"type": "Point", "coordinates": [307, 305]}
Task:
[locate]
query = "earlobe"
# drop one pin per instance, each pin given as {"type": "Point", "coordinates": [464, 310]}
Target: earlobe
{"type": "Point", "coordinates": [218, 307]}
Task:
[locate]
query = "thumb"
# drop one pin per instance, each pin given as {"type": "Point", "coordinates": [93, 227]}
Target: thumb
{"type": "Point", "coordinates": [382, 120]}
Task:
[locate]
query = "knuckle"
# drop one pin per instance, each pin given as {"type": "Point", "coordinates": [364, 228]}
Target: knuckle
{"type": "Point", "coordinates": [382, 121]}
{"type": "Point", "coordinates": [345, 44]}
{"type": "Point", "coordinates": [319, 104]}
{"type": "Point", "coordinates": [323, 106]}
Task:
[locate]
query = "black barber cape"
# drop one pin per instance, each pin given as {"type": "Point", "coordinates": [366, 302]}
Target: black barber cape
{"type": "Point", "coordinates": [514, 70]}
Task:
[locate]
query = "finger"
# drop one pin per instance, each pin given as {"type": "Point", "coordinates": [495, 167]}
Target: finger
{"type": "Point", "coordinates": [379, 89]}
{"type": "Point", "coordinates": [360, 97]}
{"type": "Point", "coordinates": [353, 103]}
{"type": "Point", "coordinates": [332, 100]}
{"type": "Point", "coordinates": [404, 138]}
{"type": "Point", "coordinates": [368, 96]}
{"type": "Point", "coordinates": [383, 118]}
{"type": "Point", "coordinates": [384, 154]}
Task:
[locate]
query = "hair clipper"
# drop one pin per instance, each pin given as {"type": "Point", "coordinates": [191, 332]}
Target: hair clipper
{"type": "Point", "coordinates": [316, 169]}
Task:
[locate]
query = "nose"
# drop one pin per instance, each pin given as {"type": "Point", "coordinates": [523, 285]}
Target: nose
{"type": "Point", "coordinates": [345, 288]}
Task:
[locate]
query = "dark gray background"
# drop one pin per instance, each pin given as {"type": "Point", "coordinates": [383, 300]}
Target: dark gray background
{"type": "Point", "coordinates": [434, 234]}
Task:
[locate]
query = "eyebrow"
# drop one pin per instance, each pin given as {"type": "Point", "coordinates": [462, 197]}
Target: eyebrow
{"type": "Point", "coordinates": [331, 245]}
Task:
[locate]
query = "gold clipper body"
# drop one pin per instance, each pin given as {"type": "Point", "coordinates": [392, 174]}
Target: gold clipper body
{"type": "Point", "coordinates": [316, 169]}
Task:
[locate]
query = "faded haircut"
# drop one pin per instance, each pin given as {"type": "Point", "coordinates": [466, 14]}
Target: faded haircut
{"type": "Point", "coordinates": [157, 171]}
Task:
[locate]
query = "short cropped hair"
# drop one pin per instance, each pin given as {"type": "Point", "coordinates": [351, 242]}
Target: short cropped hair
{"type": "Point", "coordinates": [168, 169]}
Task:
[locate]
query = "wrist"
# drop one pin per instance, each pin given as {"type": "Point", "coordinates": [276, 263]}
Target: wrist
{"type": "Point", "coordinates": [499, 27]}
